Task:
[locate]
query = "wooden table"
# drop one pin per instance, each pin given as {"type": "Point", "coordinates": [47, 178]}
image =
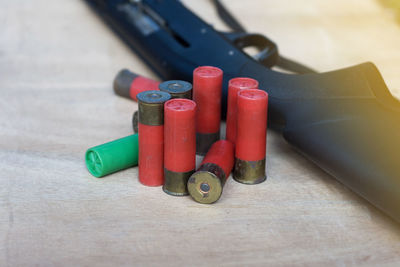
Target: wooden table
{"type": "Point", "coordinates": [57, 62]}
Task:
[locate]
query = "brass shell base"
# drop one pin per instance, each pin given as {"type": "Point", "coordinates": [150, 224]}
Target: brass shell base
{"type": "Point", "coordinates": [249, 172]}
{"type": "Point", "coordinates": [177, 88]}
{"type": "Point", "coordinates": [212, 178]}
{"type": "Point", "coordinates": [175, 183]}
{"type": "Point", "coordinates": [151, 107]}
{"type": "Point", "coordinates": [175, 194]}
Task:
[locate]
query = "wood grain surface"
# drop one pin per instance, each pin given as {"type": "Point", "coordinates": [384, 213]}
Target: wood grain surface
{"type": "Point", "coordinates": [57, 63]}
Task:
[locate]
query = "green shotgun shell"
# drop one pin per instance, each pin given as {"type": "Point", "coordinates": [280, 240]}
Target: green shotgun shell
{"type": "Point", "coordinates": [177, 88]}
{"type": "Point", "coordinates": [113, 156]}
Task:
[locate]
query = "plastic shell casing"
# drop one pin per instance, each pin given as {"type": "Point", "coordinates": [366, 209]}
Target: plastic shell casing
{"type": "Point", "coordinates": [221, 153]}
{"type": "Point", "coordinates": [151, 137]}
{"type": "Point", "coordinates": [251, 136]}
{"type": "Point", "coordinates": [207, 91]}
{"type": "Point", "coordinates": [180, 135]}
{"type": "Point", "coordinates": [234, 86]}
{"type": "Point", "coordinates": [179, 144]}
{"type": "Point", "coordinates": [113, 156]}
{"type": "Point", "coordinates": [128, 84]}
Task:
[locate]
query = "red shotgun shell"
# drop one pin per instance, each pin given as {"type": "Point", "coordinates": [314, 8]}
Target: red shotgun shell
{"type": "Point", "coordinates": [251, 136]}
{"type": "Point", "coordinates": [234, 86]}
{"type": "Point", "coordinates": [151, 137]}
{"type": "Point", "coordinates": [205, 185]}
{"type": "Point", "coordinates": [176, 88]}
{"type": "Point", "coordinates": [207, 91]}
{"type": "Point", "coordinates": [128, 84]}
{"type": "Point", "coordinates": [179, 145]}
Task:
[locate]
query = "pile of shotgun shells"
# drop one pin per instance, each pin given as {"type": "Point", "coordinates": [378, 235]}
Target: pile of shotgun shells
{"type": "Point", "coordinates": [177, 121]}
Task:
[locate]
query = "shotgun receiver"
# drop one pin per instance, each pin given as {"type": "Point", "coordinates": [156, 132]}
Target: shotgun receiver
{"type": "Point", "coordinates": [345, 121]}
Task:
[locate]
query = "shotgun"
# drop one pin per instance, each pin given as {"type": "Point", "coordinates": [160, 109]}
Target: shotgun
{"type": "Point", "coordinates": [345, 121]}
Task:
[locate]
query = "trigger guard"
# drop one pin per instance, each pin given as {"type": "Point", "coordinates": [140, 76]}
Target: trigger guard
{"type": "Point", "coordinates": [268, 51]}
